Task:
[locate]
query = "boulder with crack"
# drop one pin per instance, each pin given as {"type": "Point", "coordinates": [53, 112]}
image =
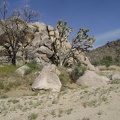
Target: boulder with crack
{"type": "Point", "coordinates": [48, 79]}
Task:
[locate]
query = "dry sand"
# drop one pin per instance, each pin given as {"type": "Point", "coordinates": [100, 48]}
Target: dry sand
{"type": "Point", "coordinates": [70, 104]}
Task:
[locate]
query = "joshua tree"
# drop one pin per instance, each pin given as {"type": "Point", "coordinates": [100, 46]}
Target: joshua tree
{"type": "Point", "coordinates": [81, 43]}
{"type": "Point", "coordinates": [64, 31]}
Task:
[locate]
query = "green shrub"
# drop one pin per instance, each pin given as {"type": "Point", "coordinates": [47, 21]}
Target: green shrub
{"type": "Point", "coordinates": [95, 62]}
{"type": "Point", "coordinates": [77, 71]}
{"type": "Point", "coordinates": [32, 116]}
{"type": "Point", "coordinates": [1, 85]}
{"type": "Point", "coordinates": [107, 61]}
{"type": "Point", "coordinates": [3, 96]}
{"type": "Point", "coordinates": [64, 76]}
{"type": "Point", "coordinates": [32, 65]}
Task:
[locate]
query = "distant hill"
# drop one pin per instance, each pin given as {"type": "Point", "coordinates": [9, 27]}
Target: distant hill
{"type": "Point", "coordinates": [108, 49]}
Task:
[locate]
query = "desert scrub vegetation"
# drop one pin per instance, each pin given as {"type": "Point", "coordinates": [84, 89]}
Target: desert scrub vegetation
{"type": "Point", "coordinates": [33, 66]}
{"type": "Point", "coordinates": [32, 116]}
{"type": "Point", "coordinates": [6, 77]}
{"type": "Point", "coordinates": [85, 118]}
{"type": "Point", "coordinates": [9, 80]}
{"type": "Point", "coordinates": [64, 76]}
{"type": "Point", "coordinates": [77, 71]}
{"type": "Point", "coordinates": [107, 61]}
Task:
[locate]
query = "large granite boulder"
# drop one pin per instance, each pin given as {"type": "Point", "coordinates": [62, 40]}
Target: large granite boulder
{"type": "Point", "coordinates": [41, 26]}
{"type": "Point", "coordinates": [91, 79]}
{"type": "Point", "coordinates": [48, 79]}
{"type": "Point", "coordinates": [116, 76]}
{"type": "Point", "coordinates": [50, 28]}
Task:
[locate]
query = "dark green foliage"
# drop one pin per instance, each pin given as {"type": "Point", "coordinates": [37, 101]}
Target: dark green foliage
{"type": "Point", "coordinates": [78, 71]}
{"type": "Point", "coordinates": [95, 63]}
{"type": "Point", "coordinates": [107, 61]}
{"type": "Point", "coordinates": [117, 59]}
{"type": "Point", "coordinates": [1, 85]}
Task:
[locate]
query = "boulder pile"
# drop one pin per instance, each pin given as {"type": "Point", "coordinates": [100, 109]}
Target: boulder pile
{"type": "Point", "coordinates": [40, 48]}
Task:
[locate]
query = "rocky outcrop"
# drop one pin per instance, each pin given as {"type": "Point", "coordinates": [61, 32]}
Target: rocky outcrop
{"type": "Point", "coordinates": [91, 79]}
{"type": "Point", "coordinates": [48, 79]}
{"type": "Point", "coordinates": [41, 48]}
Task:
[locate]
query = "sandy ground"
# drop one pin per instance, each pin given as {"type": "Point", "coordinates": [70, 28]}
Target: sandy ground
{"type": "Point", "coordinates": [70, 104]}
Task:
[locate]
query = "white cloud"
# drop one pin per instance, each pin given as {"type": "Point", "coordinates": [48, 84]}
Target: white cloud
{"type": "Point", "coordinates": [108, 35]}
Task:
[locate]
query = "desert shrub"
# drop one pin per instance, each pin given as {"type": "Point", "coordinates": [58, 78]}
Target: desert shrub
{"type": "Point", "coordinates": [95, 63]}
{"type": "Point", "coordinates": [32, 65]}
{"type": "Point", "coordinates": [32, 116]}
{"type": "Point", "coordinates": [3, 96]}
{"type": "Point", "coordinates": [64, 76]}
{"type": "Point", "coordinates": [107, 61]}
{"type": "Point", "coordinates": [77, 71]}
{"type": "Point", "coordinates": [1, 85]}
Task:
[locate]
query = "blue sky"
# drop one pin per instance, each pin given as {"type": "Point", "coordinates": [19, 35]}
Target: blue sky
{"type": "Point", "coordinates": [102, 17]}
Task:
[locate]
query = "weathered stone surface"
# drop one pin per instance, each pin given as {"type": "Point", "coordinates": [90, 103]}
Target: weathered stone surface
{"type": "Point", "coordinates": [84, 60]}
{"type": "Point", "coordinates": [56, 34]}
{"type": "Point", "coordinates": [47, 42]}
{"type": "Point", "coordinates": [37, 39]}
{"type": "Point", "coordinates": [45, 50]}
{"type": "Point", "coordinates": [116, 76]}
{"type": "Point", "coordinates": [114, 67]}
{"type": "Point", "coordinates": [42, 49]}
{"type": "Point", "coordinates": [22, 70]}
{"type": "Point", "coordinates": [51, 33]}
{"type": "Point", "coordinates": [102, 67]}
{"type": "Point", "coordinates": [69, 71]}
{"type": "Point", "coordinates": [91, 79]}
{"type": "Point", "coordinates": [50, 28]}
{"type": "Point", "coordinates": [48, 79]}
{"type": "Point", "coordinates": [44, 57]}
{"type": "Point", "coordinates": [41, 26]}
